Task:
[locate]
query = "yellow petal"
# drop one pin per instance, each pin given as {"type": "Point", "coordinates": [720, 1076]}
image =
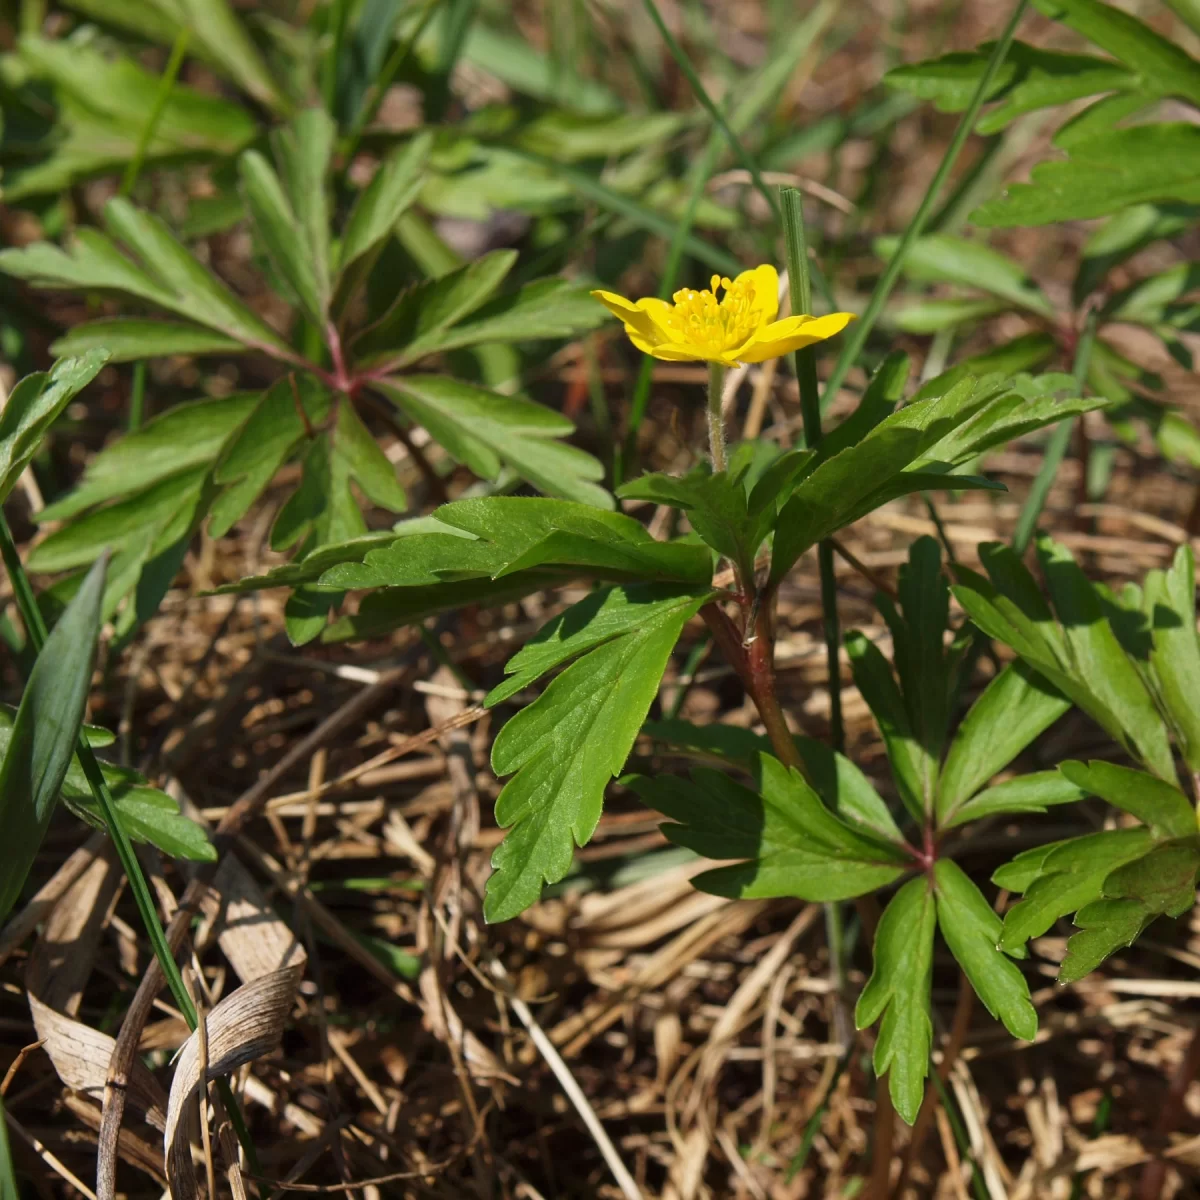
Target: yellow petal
{"type": "Point", "coordinates": [792, 333]}
{"type": "Point", "coordinates": [636, 318]}
{"type": "Point", "coordinates": [667, 351]}
{"type": "Point", "coordinates": [764, 284]}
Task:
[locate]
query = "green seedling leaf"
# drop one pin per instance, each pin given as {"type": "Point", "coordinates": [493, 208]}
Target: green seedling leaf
{"type": "Point", "coordinates": [1104, 174]}
{"type": "Point", "coordinates": [1033, 793]}
{"type": "Point", "coordinates": [1062, 878]}
{"type": "Point", "coordinates": [45, 733]}
{"type": "Point", "coordinates": [942, 258]}
{"type": "Point", "coordinates": [794, 845]}
{"type": "Point", "coordinates": [563, 749]}
{"type": "Point", "coordinates": [1015, 708]}
{"type": "Point", "coordinates": [600, 617]}
{"type": "Point", "coordinates": [898, 990]}
{"type": "Point", "coordinates": [1154, 802]}
{"type": "Point", "coordinates": [972, 931]}
{"type": "Point", "coordinates": [32, 408]}
{"type": "Point", "coordinates": [1162, 883]}
{"type": "Point", "coordinates": [487, 430]}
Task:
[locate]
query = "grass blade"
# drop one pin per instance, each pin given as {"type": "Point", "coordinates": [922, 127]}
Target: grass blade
{"type": "Point", "coordinates": [861, 329]}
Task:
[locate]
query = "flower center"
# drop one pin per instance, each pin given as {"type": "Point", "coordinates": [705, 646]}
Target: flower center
{"type": "Point", "coordinates": [699, 320]}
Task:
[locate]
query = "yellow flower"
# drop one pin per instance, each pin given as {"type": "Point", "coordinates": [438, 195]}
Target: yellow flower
{"type": "Point", "coordinates": [739, 328]}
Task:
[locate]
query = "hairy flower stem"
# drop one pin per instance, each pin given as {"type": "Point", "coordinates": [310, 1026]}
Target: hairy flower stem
{"type": "Point", "coordinates": [716, 416]}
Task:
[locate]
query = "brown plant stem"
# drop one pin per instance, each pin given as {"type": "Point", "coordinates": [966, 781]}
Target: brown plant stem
{"type": "Point", "coordinates": [963, 1007]}
{"type": "Point", "coordinates": [1154, 1173]}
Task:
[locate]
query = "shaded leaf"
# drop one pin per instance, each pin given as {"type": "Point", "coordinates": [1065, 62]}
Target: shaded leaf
{"type": "Point", "coordinates": [1154, 802]}
{"type": "Point", "coordinates": [794, 845]}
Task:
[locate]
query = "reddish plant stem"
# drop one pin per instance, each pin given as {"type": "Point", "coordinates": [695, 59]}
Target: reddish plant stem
{"type": "Point", "coordinates": [753, 660]}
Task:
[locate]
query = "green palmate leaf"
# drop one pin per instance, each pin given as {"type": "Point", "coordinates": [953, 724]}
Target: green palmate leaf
{"type": "Point", "coordinates": [130, 339]}
{"type": "Point", "coordinates": [972, 931]}
{"type": "Point", "coordinates": [544, 309]}
{"type": "Point", "coordinates": [392, 189]}
{"type": "Point", "coordinates": [1150, 301]}
{"type": "Point", "coordinates": [793, 844]}
{"type": "Point", "coordinates": [487, 431]}
{"type": "Point", "coordinates": [1163, 66]}
{"type": "Point", "coordinates": [415, 324]}
{"type": "Point", "coordinates": [1154, 802]}
{"type": "Point", "coordinates": [1014, 708]}
{"type": "Point", "coordinates": [147, 522]}
{"type": "Point", "coordinates": [185, 436]}
{"type": "Point", "coordinates": [45, 733]}
{"type": "Point", "coordinates": [1104, 174]}
{"type": "Point", "coordinates": [1062, 878]}
{"type": "Point", "coordinates": [564, 748]}
{"type": "Point", "coordinates": [390, 608]}
{"type": "Point", "coordinates": [913, 766]}
{"type": "Point", "coordinates": [883, 393]}
{"type": "Point", "coordinates": [103, 100]}
{"type": "Point", "coordinates": [323, 510]}
{"type": "Point", "coordinates": [898, 990]}
{"type": "Point", "coordinates": [1123, 235]}
{"type": "Point", "coordinates": [1162, 883]}
{"type": "Point", "coordinates": [600, 617]}
{"type": "Point", "coordinates": [1099, 661]}
{"type": "Point", "coordinates": [947, 425]}
{"type": "Point", "coordinates": [1029, 79]}
{"type": "Point", "coordinates": [730, 743]}
{"type": "Point", "coordinates": [730, 511]}
{"type": "Point", "coordinates": [1033, 793]}
{"type": "Point", "coordinates": [1009, 607]}
{"type": "Point", "coordinates": [263, 443]}
{"type": "Point", "coordinates": [166, 275]}
{"type": "Point", "coordinates": [942, 258]}
{"type": "Point", "coordinates": [32, 408]}
{"type": "Point", "coordinates": [290, 210]}
{"type": "Point", "coordinates": [847, 791]}
{"type": "Point", "coordinates": [1170, 603]}
{"type": "Point", "coordinates": [505, 535]}
{"type": "Point", "coordinates": [849, 483]}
